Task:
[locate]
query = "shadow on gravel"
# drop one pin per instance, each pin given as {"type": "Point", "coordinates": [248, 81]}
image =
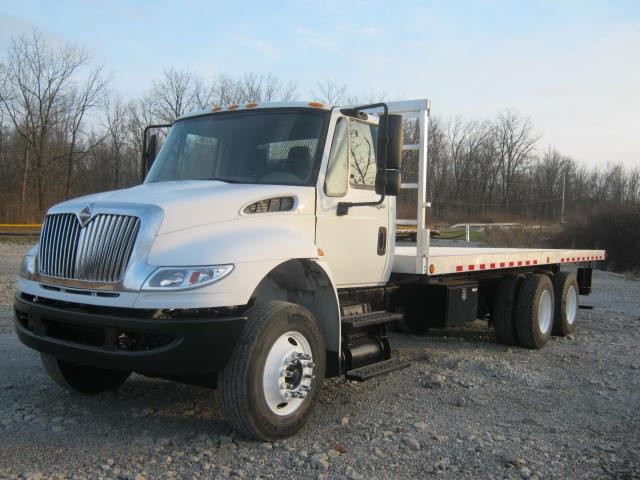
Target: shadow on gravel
{"type": "Point", "coordinates": [159, 412]}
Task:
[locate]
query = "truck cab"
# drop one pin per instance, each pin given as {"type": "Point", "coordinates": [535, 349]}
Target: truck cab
{"type": "Point", "coordinates": [249, 208]}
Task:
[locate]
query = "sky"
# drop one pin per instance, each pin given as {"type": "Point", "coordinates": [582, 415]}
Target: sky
{"type": "Point", "coordinates": [572, 66]}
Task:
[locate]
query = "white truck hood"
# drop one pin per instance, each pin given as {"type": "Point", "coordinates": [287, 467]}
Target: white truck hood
{"type": "Point", "coordinates": [192, 203]}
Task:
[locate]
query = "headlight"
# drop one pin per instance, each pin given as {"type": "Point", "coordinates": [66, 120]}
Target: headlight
{"type": "Point", "coordinates": [28, 265]}
{"type": "Point", "coordinates": [177, 278]}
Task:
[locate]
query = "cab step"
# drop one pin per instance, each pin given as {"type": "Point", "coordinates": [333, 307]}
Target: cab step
{"type": "Point", "coordinates": [376, 369]}
{"type": "Point", "coordinates": [371, 318]}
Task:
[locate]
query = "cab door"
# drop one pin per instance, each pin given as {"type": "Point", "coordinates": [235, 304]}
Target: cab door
{"type": "Point", "coordinates": [356, 245]}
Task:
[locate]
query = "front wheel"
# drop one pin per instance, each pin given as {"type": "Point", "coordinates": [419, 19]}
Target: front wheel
{"type": "Point", "coordinates": [82, 378]}
{"type": "Point", "coordinates": [274, 376]}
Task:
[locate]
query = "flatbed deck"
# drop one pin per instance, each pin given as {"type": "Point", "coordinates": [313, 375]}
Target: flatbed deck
{"type": "Point", "coordinates": [435, 260]}
{"type": "Point", "coordinates": [452, 260]}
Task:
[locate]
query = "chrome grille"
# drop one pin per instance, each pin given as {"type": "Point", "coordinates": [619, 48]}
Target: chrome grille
{"type": "Point", "coordinates": [97, 252]}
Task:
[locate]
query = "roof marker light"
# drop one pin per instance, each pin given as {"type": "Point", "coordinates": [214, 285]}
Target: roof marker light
{"type": "Point", "coordinates": [234, 107]}
{"type": "Point", "coordinates": [316, 105]}
{"type": "Point", "coordinates": [217, 109]}
{"type": "Point", "coordinates": [251, 105]}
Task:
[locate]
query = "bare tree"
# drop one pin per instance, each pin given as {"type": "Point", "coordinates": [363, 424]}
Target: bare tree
{"type": "Point", "coordinates": [80, 101]}
{"type": "Point", "coordinates": [139, 115]}
{"type": "Point", "coordinates": [437, 164]}
{"type": "Point", "coordinates": [255, 88]}
{"type": "Point", "coordinates": [117, 126]}
{"type": "Point", "coordinates": [330, 92]}
{"type": "Point", "coordinates": [37, 85]}
{"type": "Point", "coordinates": [47, 99]}
{"type": "Point", "coordinates": [251, 88]}
{"type": "Point", "coordinates": [514, 139]}
{"type": "Point", "coordinates": [372, 97]}
{"type": "Point", "coordinates": [177, 93]}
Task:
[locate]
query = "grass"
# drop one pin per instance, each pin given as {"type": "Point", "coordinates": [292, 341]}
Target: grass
{"type": "Point", "coordinates": [18, 240]}
{"type": "Point", "coordinates": [475, 235]}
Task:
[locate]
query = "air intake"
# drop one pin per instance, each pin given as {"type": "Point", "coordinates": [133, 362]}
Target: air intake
{"type": "Point", "coordinates": [277, 204]}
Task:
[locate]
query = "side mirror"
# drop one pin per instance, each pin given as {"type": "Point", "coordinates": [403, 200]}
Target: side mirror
{"type": "Point", "coordinates": [151, 152]}
{"type": "Point", "coordinates": [388, 183]}
{"type": "Point", "coordinates": [389, 154]}
{"type": "Point", "coordinates": [150, 146]}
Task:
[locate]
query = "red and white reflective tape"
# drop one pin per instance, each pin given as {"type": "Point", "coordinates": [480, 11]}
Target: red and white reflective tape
{"type": "Point", "coordinates": [521, 263]}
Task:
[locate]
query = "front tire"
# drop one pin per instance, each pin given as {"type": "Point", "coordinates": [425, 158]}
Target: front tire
{"type": "Point", "coordinates": [82, 378]}
{"type": "Point", "coordinates": [274, 376]}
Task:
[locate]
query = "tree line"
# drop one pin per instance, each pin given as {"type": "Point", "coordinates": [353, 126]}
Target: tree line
{"type": "Point", "coordinates": [494, 169]}
{"type": "Point", "coordinates": [65, 132]}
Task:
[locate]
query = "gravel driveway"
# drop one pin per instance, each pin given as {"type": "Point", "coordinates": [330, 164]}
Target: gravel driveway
{"type": "Point", "coordinates": [465, 408]}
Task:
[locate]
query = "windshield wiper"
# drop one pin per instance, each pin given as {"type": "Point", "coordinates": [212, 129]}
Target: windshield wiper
{"type": "Point", "coordinates": [225, 180]}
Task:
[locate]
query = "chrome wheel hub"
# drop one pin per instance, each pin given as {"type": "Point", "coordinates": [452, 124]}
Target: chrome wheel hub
{"type": "Point", "coordinates": [545, 312]}
{"type": "Point", "coordinates": [572, 305]}
{"type": "Point", "coordinates": [288, 373]}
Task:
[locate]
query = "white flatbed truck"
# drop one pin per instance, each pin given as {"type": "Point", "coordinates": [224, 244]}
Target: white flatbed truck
{"type": "Point", "coordinates": [259, 257]}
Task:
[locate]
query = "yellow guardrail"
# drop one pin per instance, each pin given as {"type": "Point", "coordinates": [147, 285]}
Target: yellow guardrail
{"type": "Point", "coordinates": [20, 229]}
{"type": "Point", "coordinates": [21, 225]}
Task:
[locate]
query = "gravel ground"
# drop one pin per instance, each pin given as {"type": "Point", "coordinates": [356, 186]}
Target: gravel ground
{"type": "Point", "coordinates": [465, 408]}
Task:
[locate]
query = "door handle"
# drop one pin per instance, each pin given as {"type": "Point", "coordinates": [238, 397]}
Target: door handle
{"type": "Point", "coordinates": [382, 240]}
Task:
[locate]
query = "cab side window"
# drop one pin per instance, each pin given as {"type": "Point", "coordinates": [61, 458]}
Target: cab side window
{"type": "Point", "coordinates": [362, 156]}
{"type": "Point", "coordinates": [338, 169]}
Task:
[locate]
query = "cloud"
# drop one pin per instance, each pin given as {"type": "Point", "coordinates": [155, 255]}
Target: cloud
{"type": "Point", "coordinates": [261, 47]}
{"type": "Point", "coordinates": [11, 26]}
{"type": "Point", "coordinates": [370, 32]}
{"type": "Point", "coordinates": [314, 39]}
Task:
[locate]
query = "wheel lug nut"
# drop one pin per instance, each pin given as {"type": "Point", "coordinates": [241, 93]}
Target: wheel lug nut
{"type": "Point", "coordinates": [295, 394]}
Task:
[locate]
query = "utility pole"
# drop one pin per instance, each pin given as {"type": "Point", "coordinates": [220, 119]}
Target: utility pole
{"type": "Point", "coordinates": [562, 208]}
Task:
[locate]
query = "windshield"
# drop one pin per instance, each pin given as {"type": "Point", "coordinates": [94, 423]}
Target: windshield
{"type": "Point", "coordinates": [259, 146]}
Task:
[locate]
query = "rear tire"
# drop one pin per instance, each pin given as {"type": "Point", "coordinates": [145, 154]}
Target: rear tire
{"type": "Point", "coordinates": [274, 376]}
{"type": "Point", "coordinates": [534, 311]}
{"type": "Point", "coordinates": [503, 311]}
{"type": "Point", "coordinates": [565, 288]}
{"type": "Point", "coordinates": [82, 378]}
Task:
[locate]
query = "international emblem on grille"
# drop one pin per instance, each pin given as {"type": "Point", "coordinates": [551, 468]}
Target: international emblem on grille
{"type": "Point", "coordinates": [85, 215]}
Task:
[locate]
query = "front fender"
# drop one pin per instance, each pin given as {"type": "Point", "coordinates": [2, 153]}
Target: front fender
{"type": "Point", "coordinates": [255, 247]}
